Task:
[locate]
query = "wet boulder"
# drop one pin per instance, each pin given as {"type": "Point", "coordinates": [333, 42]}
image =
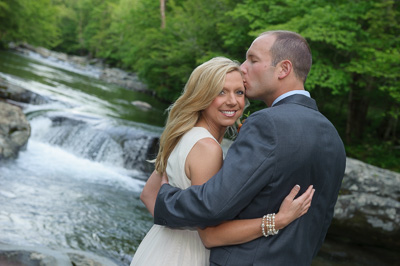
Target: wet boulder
{"type": "Point", "coordinates": [14, 130]}
{"type": "Point", "coordinates": [368, 209]}
{"type": "Point", "coordinates": [19, 94]}
{"type": "Point", "coordinates": [42, 256]}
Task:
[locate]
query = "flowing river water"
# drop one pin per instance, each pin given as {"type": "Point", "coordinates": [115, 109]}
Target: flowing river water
{"type": "Point", "coordinates": [76, 185]}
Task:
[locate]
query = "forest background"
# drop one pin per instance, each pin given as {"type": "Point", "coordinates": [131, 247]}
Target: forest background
{"type": "Point", "coordinates": [355, 44]}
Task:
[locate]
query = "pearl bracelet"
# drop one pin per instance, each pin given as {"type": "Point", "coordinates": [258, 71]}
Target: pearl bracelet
{"type": "Point", "coordinates": [269, 222]}
{"type": "Point", "coordinates": [263, 225]}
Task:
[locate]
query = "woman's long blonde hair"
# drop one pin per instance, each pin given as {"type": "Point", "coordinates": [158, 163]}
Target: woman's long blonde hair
{"type": "Point", "coordinates": [203, 86]}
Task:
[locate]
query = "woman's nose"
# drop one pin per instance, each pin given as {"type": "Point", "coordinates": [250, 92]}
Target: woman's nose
{"type": "Point", "coordinates": [231, 99]}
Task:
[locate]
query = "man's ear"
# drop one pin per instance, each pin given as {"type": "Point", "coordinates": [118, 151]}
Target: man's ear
{"type": "Point", "coordinates": [285, 67]}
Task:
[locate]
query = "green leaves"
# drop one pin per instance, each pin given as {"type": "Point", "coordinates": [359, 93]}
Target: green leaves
{"type": "Point", "coordinates": [325, 75]}
{"type": "Point", "coordinates": [29, 21]}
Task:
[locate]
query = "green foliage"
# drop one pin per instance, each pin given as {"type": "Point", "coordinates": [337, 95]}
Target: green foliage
{"type": "Point", "coordinates": [164, 58]}
{"type": "Point", "coordinates": [28, 21]}
{"type": "Point", "coordinates": [382, 154]}
{"type": "Point", "coordinates": [67, 23]}
{"type": "Point", "coordinates": [8, 27]}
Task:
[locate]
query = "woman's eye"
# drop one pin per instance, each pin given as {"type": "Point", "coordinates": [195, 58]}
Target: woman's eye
{"type": "Point", "coordinates": [240, 92]}
{"type": "Point", "coordinates": [222, 92]}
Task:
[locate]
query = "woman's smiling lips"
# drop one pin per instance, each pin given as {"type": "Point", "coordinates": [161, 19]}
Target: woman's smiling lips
{"type": "Point", "coordinates": [229, 113]}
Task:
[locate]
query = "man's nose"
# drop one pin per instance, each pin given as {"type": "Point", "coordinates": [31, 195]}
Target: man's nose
{"type": "Point", "coordinates": [243, 67]}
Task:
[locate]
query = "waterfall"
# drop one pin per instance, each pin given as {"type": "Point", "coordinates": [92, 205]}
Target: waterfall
{"type": "Point", "coordinates": [100, 140]}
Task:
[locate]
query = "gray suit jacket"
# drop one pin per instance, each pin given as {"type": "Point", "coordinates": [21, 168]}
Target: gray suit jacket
{"type": "Point", "coordinates": [277, 148]}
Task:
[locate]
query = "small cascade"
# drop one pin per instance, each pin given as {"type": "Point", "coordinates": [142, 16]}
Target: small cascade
{"type": "Point", "coordinates": [114, 145]}
{"type": "Point", "coordinates": [138, 151]}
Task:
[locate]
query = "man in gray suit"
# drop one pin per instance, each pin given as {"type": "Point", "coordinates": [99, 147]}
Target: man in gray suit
{"type": "Point", "coordinates": [289, 143]}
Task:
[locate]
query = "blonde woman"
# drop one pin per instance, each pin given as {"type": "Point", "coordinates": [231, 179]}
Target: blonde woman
{"type": "Point", "coordinates": [190, 153]}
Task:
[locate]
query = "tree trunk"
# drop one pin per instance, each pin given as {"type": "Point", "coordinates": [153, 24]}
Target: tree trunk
{"type": "Point", "coordinates": [162, 11]}
{"type": "Point", "coordinates": [357, 110]}
{"type": "Point", "coordinates": [391, 123]}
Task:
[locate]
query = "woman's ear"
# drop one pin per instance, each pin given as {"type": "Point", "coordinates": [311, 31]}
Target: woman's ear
{"type": "Point", "coordinates": [285, 67]}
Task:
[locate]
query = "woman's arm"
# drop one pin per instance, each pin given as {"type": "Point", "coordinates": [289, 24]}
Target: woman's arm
{"type": "Point", "coordinates": [242, 231]}
{"type": "Point", "coordinates": [150, 191]}
{"type": "Point", "coordinates": [231, 233]}
{"type": "Point", "coordinates": [203, 161]}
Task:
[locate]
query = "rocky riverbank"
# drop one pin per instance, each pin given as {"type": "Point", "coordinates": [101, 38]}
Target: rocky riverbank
{"type": "Point", "coordinates": [128, 80]}
{"type": "Point", "coordinates": [11, 255]}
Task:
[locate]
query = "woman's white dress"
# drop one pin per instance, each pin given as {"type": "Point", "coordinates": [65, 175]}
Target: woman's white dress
{"type": "Point", "coordinates": [175, 247]}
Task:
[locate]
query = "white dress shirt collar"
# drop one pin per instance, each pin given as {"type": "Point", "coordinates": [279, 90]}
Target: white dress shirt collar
{"type": "Point", "coordinates": [290, 93]}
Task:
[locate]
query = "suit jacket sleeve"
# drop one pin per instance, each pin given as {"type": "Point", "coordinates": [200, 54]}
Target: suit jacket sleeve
{"type": "Point", "coordinates": [247, 169]}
